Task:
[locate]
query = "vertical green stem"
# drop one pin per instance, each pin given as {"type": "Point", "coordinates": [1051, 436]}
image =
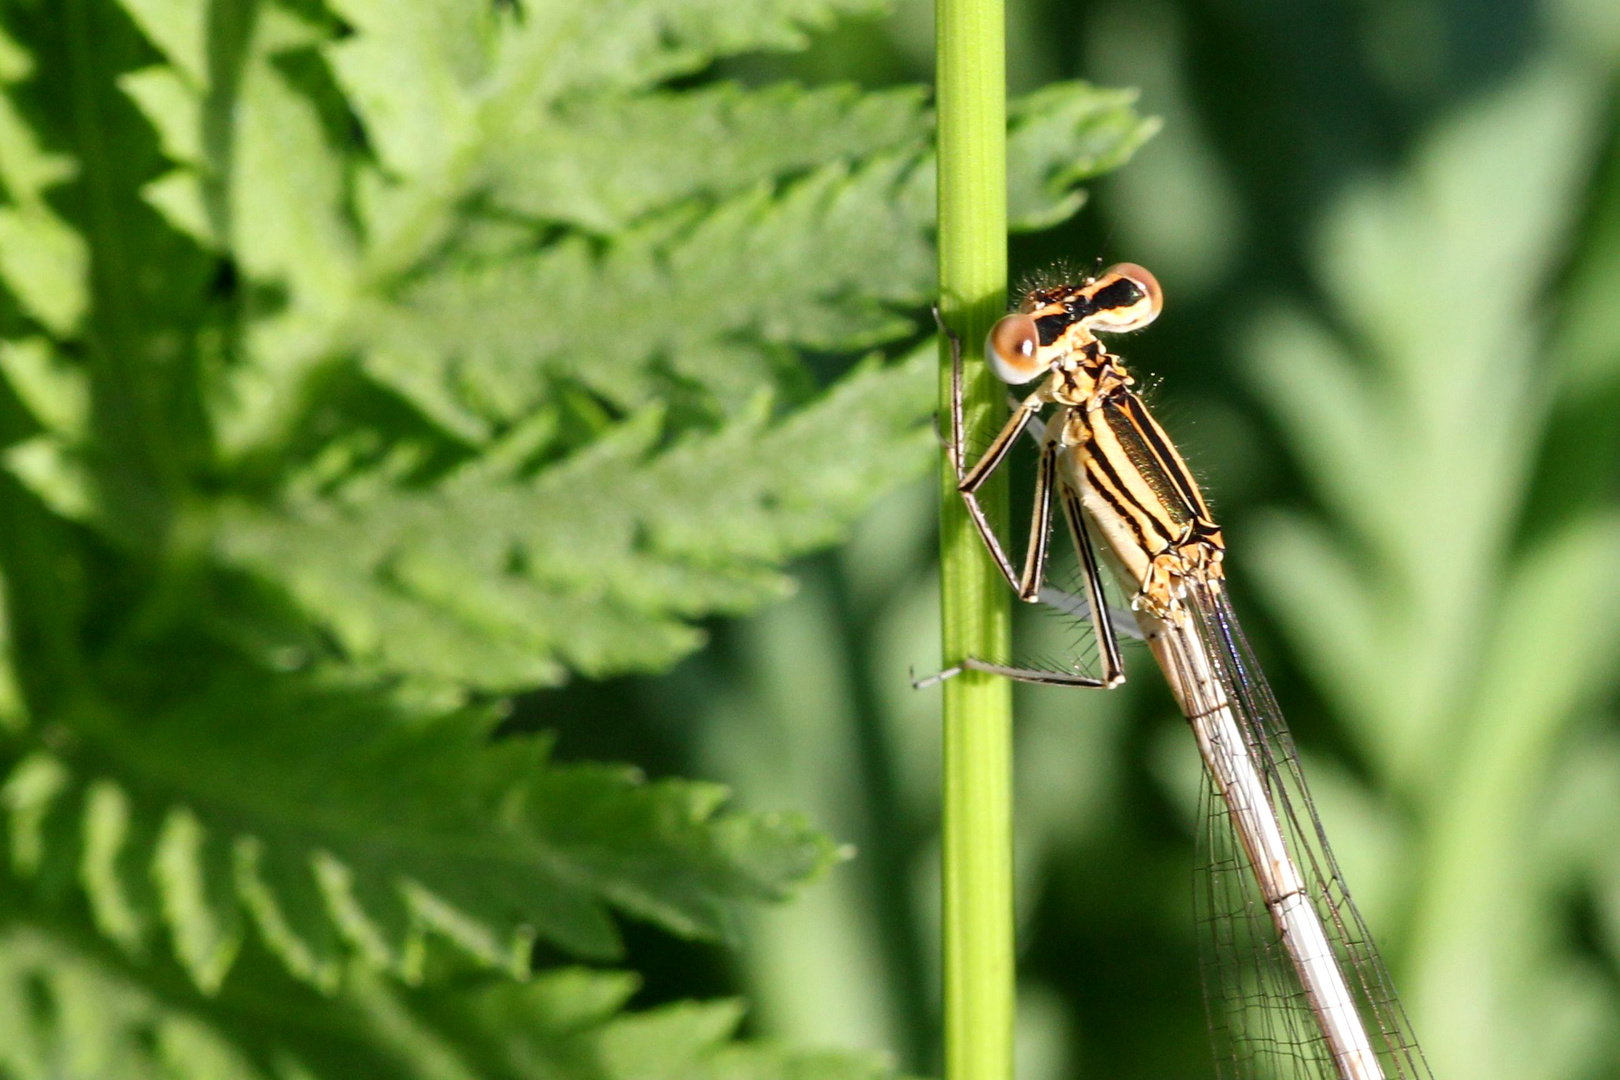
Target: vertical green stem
{"type": "Point", "coordinates": [978, 931]}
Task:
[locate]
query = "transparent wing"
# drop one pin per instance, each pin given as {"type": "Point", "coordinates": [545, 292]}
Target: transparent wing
{"type": "Point", "coordinates": [1261, 1023]}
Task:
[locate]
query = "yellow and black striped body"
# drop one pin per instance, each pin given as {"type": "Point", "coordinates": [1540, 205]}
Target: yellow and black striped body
{"type": "Point", "coordinates": [1108, 464]}
{"type": "Point", "coordinates": [1137, 489]}
{"type": "Point", "coordinates": [1126, 471]}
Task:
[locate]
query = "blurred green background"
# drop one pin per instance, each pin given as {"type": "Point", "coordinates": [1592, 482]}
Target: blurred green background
{"type": "Point", "coordinates": [337, 355]}
{"type": "Point", "coordinates": [1389, 237]}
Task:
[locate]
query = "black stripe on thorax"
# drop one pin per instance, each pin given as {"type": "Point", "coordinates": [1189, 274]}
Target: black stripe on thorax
{"type": "Point", "coordinates": [1106, 468]}
{"type": "Point", "coordinates": [1151, 434]}
{"type": "Point", "coordinates": [1096, 474]}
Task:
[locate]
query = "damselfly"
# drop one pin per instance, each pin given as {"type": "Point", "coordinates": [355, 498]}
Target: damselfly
{"type": "Point", "coordinates": [1293, 982]}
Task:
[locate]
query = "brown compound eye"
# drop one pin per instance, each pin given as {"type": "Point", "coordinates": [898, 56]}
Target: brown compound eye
{"type": "Point", "coordinates": [1012, 349]}
{"type": "Point", "coordinates": [1127, 297]}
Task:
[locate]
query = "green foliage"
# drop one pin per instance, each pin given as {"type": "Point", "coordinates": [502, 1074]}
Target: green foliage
{"type": "Point", "coordinates": [67, 1013]}
{"type": "Point", "coordinates": [367, 361]}
{"type": "Point", "coordinates": [1458, 655]}
{"type": "Point", "coordinates": [467, 583]}
{"type": "Point", "coordinates": [204, 828]}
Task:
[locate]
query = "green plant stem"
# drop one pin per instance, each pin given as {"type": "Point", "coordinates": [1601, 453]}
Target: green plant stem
{"type": "Point", "coordinates": [978, 911]}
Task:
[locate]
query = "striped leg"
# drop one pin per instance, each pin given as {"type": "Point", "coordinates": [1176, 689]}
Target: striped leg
{"type": "Point", "coordinates": [969, 480]}
{"type": "Point", "coordinates": [1113, 673]}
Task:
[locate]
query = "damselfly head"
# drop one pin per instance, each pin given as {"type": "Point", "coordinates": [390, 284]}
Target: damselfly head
{"type": "Point", "coordinates": [1055, 323]}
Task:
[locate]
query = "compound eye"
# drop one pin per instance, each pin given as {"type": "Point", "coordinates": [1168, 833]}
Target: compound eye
{"type": "Point", "coordinates": [1012, 349]}
{"type": "Point", "coordinates": [1128, 298]}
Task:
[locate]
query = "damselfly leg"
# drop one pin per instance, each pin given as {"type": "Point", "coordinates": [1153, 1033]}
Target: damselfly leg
{"type": "Point", "coordinates": [1113, 672]}
{"type": "Point", "coordinates": [1050, 484]}
{"type": "Point", "coordinates": [970, 480]}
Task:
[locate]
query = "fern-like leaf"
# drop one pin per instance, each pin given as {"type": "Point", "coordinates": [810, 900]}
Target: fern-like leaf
{"type": "Point", "coordinates": [371, 361]}
{"type": "Point", "coordinates": [604, 162]}
{"type": "Point", "coordinates": [68, 1013]}
{"type": "Point", "coordinates": [597, 563]}
{"type": "Point", "coordinates": [1422, 444]}
{"type": "Point", "coordinates": [335, 827]}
